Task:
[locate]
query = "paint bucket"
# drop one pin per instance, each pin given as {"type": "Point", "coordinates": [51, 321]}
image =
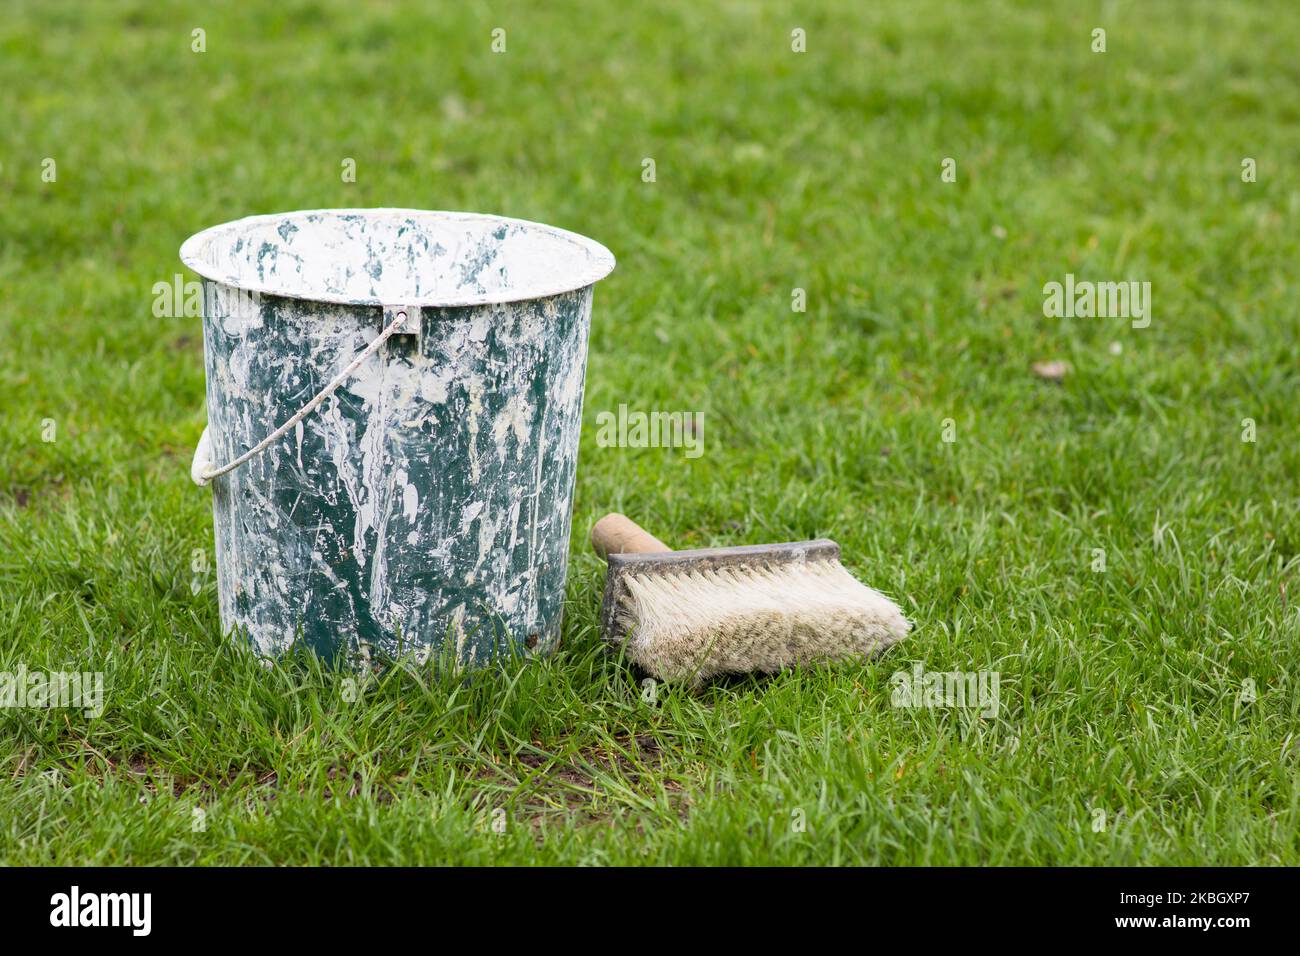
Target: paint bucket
{"type": "Point", "coordinates": [394, 404]}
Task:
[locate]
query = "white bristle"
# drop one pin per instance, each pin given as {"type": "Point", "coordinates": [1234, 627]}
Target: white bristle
{"type": "Point", "coordinates": [692, 625]}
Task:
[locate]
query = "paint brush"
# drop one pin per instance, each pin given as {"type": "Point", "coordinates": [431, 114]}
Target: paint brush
{"type": "Point", "coordinates": [690, 615]}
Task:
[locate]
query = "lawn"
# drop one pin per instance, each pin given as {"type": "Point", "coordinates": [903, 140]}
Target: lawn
{"type": "Point", "coordinates": [1120, 547]}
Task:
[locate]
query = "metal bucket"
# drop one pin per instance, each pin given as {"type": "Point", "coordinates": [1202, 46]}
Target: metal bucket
{"type": "Point", "coordinates": [394, 404]}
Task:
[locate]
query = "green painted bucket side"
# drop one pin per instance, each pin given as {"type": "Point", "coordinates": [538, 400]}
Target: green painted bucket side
{"type": "Point", "coordinates": [426, 505]}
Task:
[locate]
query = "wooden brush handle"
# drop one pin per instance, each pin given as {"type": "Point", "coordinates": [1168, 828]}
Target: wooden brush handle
{"type": "Point", "coordinates": [619, 534]}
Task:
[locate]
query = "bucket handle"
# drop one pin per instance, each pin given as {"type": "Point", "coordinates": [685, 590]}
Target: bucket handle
{"type": "Point", "coordinates": [406, 319]}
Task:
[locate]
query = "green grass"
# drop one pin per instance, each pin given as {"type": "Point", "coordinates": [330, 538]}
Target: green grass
{"type": "Point", "coordinates": [1122, 690]}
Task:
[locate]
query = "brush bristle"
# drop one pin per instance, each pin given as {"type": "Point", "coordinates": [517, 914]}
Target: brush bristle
{"type": "Point", "coordinates": [692, 625]}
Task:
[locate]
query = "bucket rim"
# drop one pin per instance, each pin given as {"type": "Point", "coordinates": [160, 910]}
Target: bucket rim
{"type": "Point", "coordinates": [599, 261]}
